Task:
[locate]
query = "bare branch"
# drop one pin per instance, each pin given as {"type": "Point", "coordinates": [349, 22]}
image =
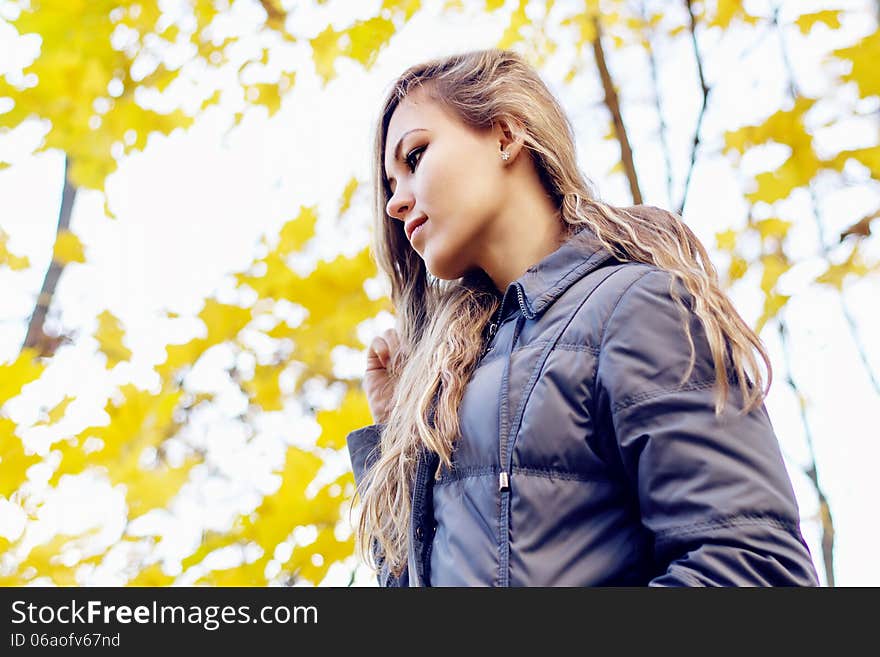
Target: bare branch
{"type": "Point", "coordinates": [652, 60]}
{"type": "Point", "coordinates": [825, 518]}
{"type": "Point", "coordinates": [612, 102]}
{"type": "Point", "coordinates": [705, 100]}
{"type": "Point", "coordinates": [36, 337]}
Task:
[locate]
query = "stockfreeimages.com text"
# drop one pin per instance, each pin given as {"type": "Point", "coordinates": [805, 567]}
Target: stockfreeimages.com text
{"type": "Point", "coordinates": [210, 617]}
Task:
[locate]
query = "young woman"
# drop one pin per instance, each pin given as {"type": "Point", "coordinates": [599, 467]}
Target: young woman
{"type": "Point", "coordinates": [569, 398]}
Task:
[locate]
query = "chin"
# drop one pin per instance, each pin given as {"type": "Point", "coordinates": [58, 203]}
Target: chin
{"type": "Point", "coordinates": [446, 272]}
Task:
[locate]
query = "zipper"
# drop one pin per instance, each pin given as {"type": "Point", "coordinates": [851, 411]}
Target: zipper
{"type": "Point", "coordinates": [522, 303]}
{"type": "Point", "coordinates": [504, 475]}
{"type": "Point", "coordinates": [493, 326]}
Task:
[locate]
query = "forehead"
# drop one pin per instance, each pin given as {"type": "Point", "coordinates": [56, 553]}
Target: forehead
{"type": "Point", "coordinates": [416, 110]}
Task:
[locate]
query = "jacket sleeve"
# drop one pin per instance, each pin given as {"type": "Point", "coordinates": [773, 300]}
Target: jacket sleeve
{"type": "Point", "coordinates": [363, 448]}
{"type": "Point", "coordinates": [712, 490]}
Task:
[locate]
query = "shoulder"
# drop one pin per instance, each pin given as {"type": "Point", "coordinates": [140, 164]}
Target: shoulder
{"type": "Point", "coordinates": [650, 332]}
{"type": "Point", "coordinates": [615, 287]}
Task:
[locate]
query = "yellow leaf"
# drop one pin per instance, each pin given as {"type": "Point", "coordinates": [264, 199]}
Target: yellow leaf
{"type": "Point", "coordinates": [738, 268]}
{"type": "Point", "coordinates": [152, 575]}
{"type": "Point", "coordinates": [617, 168]}
{"type": "Point", "coordinates": [58, 411]}
{"type": "Point", "coordinates": [46, 560]}
{"type": "Point", "coordinates": [170, 33]}
{"type": "Point", "coordinates": [367, 38]}
{"type": "Point", "coordinates": [14, 262]}
{"type": "Point", "coordinates": [68, 248]}
{"type": "Point", "coordinates": [265, 94]}
{"type": "Point", "coordinates": [211, 541]}
{"type": "Point", "coordinates": [406, 7]}
{"type": "Point", "coordinates": [353, 412]}
{"type": "Point", "coordinates": [829, 17]}
{"type": "Point", "coordinates": [727, 11]}
{"type": "Point", "coordinates": [773, 303]}
{"type": "Point", "coordinates": [783, 127]}
{"type": "Point", "coordinates": [107, 211]}
{"type": "Point", "coordinates": [869, 157]}
{"type": "Point", "coordinates": [146, 490]}
{"type": "Point", "coordinates": [14, 463]}
{"type": "Point", "coordinates": [178, 356]}
{"type": "Point", "coordinates": [205, 11]}
{"type": "Point", "coordinates": [325, 50]}
{"type": "Point", "coordinates": [726, 240]}
{"type": "Point", "coordinates": [347, 194]}
{"type": "Point", "coordinates": [17, 374]}
{"type": "Point", "coordinates": [518, 20]}
{"type": "Point", "coordinates": [311, 562]}
{"type": "Point", "coordinates": [211, 100]}
{"type": "Point", "coordinates": [797, 171]}
{"type": "Point", "coordinates": [773, 227]}
{"type": "Point", "coordinates": [275, 14]}
{"type": "Point", "coordinates": [160, 78]}
{"type": "Point", "coordinates": [109, 336]}
{"type": "Point", "coordinates": [864, 56]}
{"type": "Point", "coordinates": [263, 388]}
{"type": "Point", "coordinates": [287, 508]}
{"type": "Point", "coordinates": [493, 5]}
{"type": "Point", "coordinates": [296, 232]}
{"type": "Point", "coordinates": [586, 26]}
{"type": "Point", "coordinates": [282, 330]}
{"type": "Point", "coordinates": [223, 321]}
{"type": "Point", "coordinates": [275, 282]}
{"type": "Point", "coordinates": [774, 266]}
{"type": "Point", "coordinates": [835, 274]}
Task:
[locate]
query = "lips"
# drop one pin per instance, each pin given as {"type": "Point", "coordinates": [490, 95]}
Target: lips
{"type": "Point", "coordinates": [412, 225]}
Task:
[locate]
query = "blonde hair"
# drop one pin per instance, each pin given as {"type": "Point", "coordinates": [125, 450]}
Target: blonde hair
{"type": "Point", "coordinates": [441, 323]}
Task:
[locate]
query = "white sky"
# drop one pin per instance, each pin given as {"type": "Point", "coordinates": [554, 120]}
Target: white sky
{"type": "Point", "coordinates": [192, 208]}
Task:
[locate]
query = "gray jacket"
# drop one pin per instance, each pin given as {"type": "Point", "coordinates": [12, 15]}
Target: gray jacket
{"type": "Point", "coordinates": [582, 462]}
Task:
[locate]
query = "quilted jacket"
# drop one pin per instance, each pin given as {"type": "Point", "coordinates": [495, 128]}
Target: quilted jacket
{"type": "Point", "coordinates": [583, 462]}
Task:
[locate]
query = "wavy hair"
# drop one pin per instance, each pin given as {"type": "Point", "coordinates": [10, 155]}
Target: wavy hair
{"type": "Point", "coordinates": [441, 323]}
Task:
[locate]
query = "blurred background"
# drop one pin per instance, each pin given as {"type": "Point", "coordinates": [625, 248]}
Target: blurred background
{"type": "Point", "coordinates": [186, 291]}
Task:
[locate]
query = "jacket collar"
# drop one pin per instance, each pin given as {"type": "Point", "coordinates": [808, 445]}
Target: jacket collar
{"type": "Point", "coordinates": [545, 281]}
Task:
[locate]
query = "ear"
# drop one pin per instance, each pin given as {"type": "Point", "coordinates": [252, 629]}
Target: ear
{"type": "Point", "coordinates": [509, 134]}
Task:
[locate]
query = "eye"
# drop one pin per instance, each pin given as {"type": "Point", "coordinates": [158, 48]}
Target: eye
{"type": "Point", "coordinates": [412, 154]}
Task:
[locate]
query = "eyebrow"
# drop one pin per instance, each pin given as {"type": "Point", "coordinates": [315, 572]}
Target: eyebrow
{"type": "Point", "coordinates": [397, 148]}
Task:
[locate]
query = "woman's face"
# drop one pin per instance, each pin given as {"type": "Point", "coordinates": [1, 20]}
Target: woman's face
{"type": "Point", "coordinates": [448, 173]}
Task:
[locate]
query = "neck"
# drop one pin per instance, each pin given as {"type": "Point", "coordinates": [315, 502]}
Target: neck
{"type": "Point", "coordinates": [528, 231]}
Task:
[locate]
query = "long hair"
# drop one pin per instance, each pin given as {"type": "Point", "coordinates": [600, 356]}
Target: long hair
{"type": "Point", "coordinates": [441, 322]}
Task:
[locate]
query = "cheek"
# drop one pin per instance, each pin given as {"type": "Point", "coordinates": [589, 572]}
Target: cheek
{"type": "Point", "coordinates": [464, 183]}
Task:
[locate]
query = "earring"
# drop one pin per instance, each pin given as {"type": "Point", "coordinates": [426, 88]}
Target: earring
{"type": "Point", "coordinates": [505, 155]}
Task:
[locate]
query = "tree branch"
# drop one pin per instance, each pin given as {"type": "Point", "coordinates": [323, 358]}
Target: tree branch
{"type": "Point", "coordinates": [664, 145]}
{"type": "Point", "coordinates": [612, 102]}
{"type": "Point", "coordinates": [36, 337]}
{"type": "Point", "coordinates": [826, 520]}
{"type": "Point", "coordinates": [705, 100]}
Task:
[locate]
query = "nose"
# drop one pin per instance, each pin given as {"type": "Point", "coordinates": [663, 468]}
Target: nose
{"type": "Point", "coordinates": [399, 204]}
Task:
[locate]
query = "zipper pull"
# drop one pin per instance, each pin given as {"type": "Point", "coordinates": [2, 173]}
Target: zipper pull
{"type": "Point", "coordinates": [503, 481]}
{"type": "Point", "coordinates": [493, 327]}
